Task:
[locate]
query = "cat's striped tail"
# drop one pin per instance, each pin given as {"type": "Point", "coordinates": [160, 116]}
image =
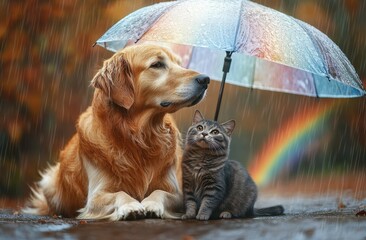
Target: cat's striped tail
{"type": "Point", "coordinates": [269, 211]}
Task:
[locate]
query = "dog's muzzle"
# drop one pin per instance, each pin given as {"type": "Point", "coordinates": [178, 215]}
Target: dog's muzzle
{"type": "Point", "coordinates": [201, 82]}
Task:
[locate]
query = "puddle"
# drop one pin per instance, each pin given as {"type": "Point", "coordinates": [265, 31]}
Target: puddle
{"type": "Point", "coordinates": [52, 227]}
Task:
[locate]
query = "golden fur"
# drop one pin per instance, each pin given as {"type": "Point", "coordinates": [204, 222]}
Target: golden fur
{"type": "Point", "coordinates": [124, 160]}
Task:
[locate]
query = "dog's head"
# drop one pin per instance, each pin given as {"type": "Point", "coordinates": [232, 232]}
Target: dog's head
{"type": "Point", "coordinates": [149, 76]}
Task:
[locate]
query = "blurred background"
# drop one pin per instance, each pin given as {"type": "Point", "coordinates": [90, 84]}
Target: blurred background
{"type": "Point", "coordinates": [288, 142]}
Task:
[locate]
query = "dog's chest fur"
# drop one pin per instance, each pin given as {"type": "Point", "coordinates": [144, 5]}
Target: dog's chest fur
{"type": "Point", "coordinates": [129, 158]}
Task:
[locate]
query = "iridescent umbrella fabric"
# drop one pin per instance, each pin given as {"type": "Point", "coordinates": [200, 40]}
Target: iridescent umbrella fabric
{"type": "Point", "coordinates": [272, 51]}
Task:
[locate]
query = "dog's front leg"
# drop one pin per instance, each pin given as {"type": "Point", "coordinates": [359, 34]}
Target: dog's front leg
{"type": "Point", "coordinates": [112, 206]}
{"type": "Point", "coordinates": [103, 204]}
{"type": "Point", "coordinates": [163, 204]}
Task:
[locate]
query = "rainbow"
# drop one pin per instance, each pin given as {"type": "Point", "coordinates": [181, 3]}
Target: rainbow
{"type": "Point", "coordinates": [288, 142]}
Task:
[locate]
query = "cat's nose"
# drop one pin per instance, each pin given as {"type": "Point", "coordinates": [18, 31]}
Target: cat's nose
{"type": "Point", "coordinates": [204, 134]}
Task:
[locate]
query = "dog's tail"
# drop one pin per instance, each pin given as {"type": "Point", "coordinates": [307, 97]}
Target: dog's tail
{"type": "Point", "coordinates": [269, 211]}
{"type": "Point", "coordinates": [37, 204]}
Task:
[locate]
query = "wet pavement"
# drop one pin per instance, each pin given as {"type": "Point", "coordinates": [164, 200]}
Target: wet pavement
{"type": "Point", "coordinates": [307, 217]}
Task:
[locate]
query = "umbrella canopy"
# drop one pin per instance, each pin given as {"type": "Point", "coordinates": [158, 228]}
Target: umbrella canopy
{"type": "Point", "coordinates": [277, 52]}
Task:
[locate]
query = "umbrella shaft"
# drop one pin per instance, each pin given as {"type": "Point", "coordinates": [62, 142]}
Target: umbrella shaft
{"type": "Point", "coordinates": [225, 69]}
{"type": "Point", "coordinates": [227, 64]}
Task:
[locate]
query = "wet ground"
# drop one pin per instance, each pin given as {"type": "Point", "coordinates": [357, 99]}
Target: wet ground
{"type": "Point", "coordinates": [307, 217]}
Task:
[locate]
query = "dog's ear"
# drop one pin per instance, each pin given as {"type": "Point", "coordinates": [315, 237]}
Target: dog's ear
{"type": "Point", "coordinates": [115, 80]}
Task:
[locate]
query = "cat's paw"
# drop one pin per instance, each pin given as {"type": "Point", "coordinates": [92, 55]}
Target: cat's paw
{"type": "Point", "coordinates": [225, 215]}
{"type": "Point", "coordinates": [202, 217]}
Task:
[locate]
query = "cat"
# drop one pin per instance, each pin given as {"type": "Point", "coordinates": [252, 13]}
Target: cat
{"type": "Point", "coordinates": [213, 186]}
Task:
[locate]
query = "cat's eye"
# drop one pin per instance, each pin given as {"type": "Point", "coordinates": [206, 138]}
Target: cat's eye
{"type": "Point", "coordinates": [215, 132]}
{"type": "Point", "coordinates": [199, 128]}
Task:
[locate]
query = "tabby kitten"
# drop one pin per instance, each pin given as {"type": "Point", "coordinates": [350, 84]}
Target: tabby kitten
{"type": "Point", "coordinates": [214, 186]}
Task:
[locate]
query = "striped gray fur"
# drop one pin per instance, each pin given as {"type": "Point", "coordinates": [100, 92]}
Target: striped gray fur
{"type": "Point", "coordinates": [214, 186]}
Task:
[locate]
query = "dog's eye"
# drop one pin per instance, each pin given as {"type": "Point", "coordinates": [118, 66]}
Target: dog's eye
{"type": "Point", "coordinates": [215, 132]}
{"type": "Point", "coordinates": [157, 65]}
{"type": "Point", "coordinates": [199, 128]}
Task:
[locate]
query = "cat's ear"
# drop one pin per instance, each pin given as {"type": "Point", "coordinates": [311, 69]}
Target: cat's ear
{"type": "Point", "coordinates": [197, 117]}
{"type": "Point", "coordinates": [229, 126]}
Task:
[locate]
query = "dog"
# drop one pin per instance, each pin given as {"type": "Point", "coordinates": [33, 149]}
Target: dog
{"type": "Point", "coordinates": [124, 161]}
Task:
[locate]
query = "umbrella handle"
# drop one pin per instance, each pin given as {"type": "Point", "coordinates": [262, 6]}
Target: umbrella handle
{"type": "Point", "coordinates": [225, 69]}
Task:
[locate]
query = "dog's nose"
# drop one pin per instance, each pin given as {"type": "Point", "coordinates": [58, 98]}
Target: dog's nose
{"type": "Point", "coordinates": [203, 79]}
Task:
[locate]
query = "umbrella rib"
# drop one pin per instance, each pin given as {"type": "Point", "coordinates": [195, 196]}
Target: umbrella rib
{"type": "Point", "coordinates": [238, 25]}
{"type": "Point", "coordinates": [316, 45]}
{"type": "Point", "coordinates": [318, 48]}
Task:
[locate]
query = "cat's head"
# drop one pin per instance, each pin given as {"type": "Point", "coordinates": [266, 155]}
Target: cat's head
{"type": "Point", "coordinates": [209, 134]}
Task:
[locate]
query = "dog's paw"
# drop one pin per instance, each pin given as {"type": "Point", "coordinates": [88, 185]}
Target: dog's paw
{"type": "Point", "coordinates": [128, 211]}
{"type": "Point", "coordinates": [153, 209]}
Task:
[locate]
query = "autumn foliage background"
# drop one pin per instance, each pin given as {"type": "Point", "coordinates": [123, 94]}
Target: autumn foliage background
{"type": "Point", "coordinates": [47, 61]}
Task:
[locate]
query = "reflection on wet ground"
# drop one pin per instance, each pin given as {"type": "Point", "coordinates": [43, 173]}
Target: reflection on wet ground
{"type": "Point", "coordinates": [316, 217]}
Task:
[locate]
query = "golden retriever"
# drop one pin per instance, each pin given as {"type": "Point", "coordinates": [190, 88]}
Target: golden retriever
{"type": "Point", "coordinates": [125, 159]}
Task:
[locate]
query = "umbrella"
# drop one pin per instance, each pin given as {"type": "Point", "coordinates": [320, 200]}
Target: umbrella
{"type": "Point", "coordinates": [275, 51]}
